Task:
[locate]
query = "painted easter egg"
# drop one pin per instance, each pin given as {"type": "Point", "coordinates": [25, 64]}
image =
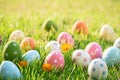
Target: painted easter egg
{"type": "Point", "coordinates": [111, 55]}
{"type": "Point", "coordinates": [9, 71]}
{"type": "Point", "coordinates": [52, 45]}
{"type": "Point", "coordinates": [98, 69]}
{"type": "Point", "coordinates": [117, 43]}
{"type": "Point", "coordinates": [55, 59]}
{"type": "Point", "coordinates": [16, 35]}
{"type": "Point", "coordinates": [94, 49]}
{"type": "Point", "coordinates": [27, 43]}
{"type": "Point", "coordinates": [12, 51]}
{"type": "Point", "coordinates": [66, 41]}
{"type": "Point", "coordinates": [107, 33]}
{"type": "Point", "coordinates": [49, 25]}
{"type": "Point", "coordinates": [80, 57]}
{"type": "Point", "coordinates": [80, 27]}
{"type": "Point", "coordinates": [31, 57]}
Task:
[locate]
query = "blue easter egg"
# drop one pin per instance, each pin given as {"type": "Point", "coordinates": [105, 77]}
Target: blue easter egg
{"type": "Point", "coordinates": [9, 71]}
{"type": "Point", "coordinates": [111, 55]}
{"type": "Point", "coordinates": [31, 56]}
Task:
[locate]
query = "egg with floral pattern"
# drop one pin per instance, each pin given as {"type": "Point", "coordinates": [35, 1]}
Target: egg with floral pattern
{"type": "Point", "coordinates": [55, 59]}
{"type": "Point", "coordinates": [81, 58]}
{"type": "Point", "coordinates": [98, 69]}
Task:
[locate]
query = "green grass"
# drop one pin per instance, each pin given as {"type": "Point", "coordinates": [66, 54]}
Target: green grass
{"type": "Point", "coordinates": [29, 15]}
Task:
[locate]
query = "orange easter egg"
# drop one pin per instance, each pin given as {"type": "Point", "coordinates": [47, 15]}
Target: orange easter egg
{"type": "Point", "coordinates": [80, 27]}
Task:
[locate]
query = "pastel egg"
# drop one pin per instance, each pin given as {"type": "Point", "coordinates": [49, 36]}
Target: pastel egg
{"type": "Point", "coordinates": [98, 69]}
{"type": "Point", "coordinates": [9, 71]}
{"type": "Point", "coordinates": [52, 45]}
{"type": "Point", "coordinates": [27, 43]}
{"type": "Point", "coordinates": [117, 43]}
{"type": "Point", "coordinates": [64, 38]}
{"type": "Point", "coordinates": [12, 51]}
{"type": "Point", "coordinates": [55, 59]}
{"type": "Point", "coordinates": [111, 55]}
{"type": "Point", "coordinates": [94, 49]}
{"type": "Point", "coordinates": [107, 33]}
{"type": "Point", "coordinates": [49, 25]}
{"type": "Point", "coordinates": [80, 27]}
{"type": "Point", "coordinates": [16, 35]}
{"type": "Point", "coordinates": [31, 57]}
{"type": "Point", "coordinates": [81, 58]}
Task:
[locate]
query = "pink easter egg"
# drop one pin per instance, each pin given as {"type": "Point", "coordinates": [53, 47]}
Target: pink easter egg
{"type": "Point", "coordinates": [55, 59]}
{"type": "Point", "coordinates": [65, 38]}
{"type": "Point", "coordinates": [94, 49]}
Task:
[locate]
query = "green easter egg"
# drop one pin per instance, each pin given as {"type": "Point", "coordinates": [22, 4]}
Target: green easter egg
{"type": "Point", "coordinates": [49, 24]}
{"type": "Point", "coordinates": [12, 51]}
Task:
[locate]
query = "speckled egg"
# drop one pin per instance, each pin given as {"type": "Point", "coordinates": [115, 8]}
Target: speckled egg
{"type": "Point", "coordinates": [9, 71]}
{"type": "Point", "coordinates": [80, 27]}
{"type": "Point", "coordinates": [49, 25]}
{"type": "Point", "coordinates": [52, 45]}
{"type": "Point", "coordinates": [31, 57]}
{"type": "Point", "coordinates": [64, 38]}
{"type": "Point", "coordinates": [98, 69]}
{"type": "Point", "coordinates": [55, 59]}
{"type": "Point", "coordinates": [27, 43]}
{"type": "Point", "coordinates": [12, 51]}
{"type": "Point", "coordinates": [107, 33]}
{"type": "Point", "coordinates": [80, 57]}
{"type": "Point", "coordinates": [111, 55]}
{"type": "Point", "coordinates": [16, 35]}
{"type": "Point", "coordinates": [94, 49]}
{"type": "Point", "coordinates": [117, 43]}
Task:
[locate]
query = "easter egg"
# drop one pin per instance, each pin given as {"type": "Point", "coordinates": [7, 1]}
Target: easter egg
{"type": "Point", "coordinates": [12, 51]}
{"type": "Point", "coordinates": [52, 45]}
{"type": "Point", "coordinates": [80, 57]}
{"type": "Point", "coordinates": [117, 43]}
{"type": "Point", "coordinates": [94, 49]}
{"type": "Point", "coordinates": [80, 27]}
{"type": "Point", "coordinates": [16, 35]}
{"type": "Point", "coordinates": [98, 69]}
{"type": "Point", "coordinates": [111, 55]}
{"type": "Point", "coordinates": [31, 57]}
{"type": "Point", "coordinates": [55, 59]}
{"type": "Point", "coordinates": [107, 33]}
{"type": "Point", "coordinates": [27, 43]}
{"type": "Point", "coordinates": [9, 71]}
{"type": "Point", "coordinates": [49, 25]}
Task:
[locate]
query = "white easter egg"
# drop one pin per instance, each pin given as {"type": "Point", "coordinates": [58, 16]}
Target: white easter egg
{"type": "Point", "coordinates": [52, 45]}
{"type": "Point", "coordinates": [98, 69]}
{"type": "Point", "coordinates": [81, 57]}
{"type": "Point", "coordinates": [117, 43]}
{"type": "Point", "coordinates": [107, 33]}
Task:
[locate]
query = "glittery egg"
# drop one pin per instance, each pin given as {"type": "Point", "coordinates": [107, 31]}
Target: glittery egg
{"type": "Point", "coordinates": [80, 57]}
{"type": "Point", "coordinates": [94, 49]}
{"type": "Point", "coordinates": [55, 59]}
{"type": "Point", "coordinates": [16, 35]}
{"type": "Point", "coordinates": [111, 55]}
{"type": "Point", "coordinates": [52, 45]}
{"type": "Point", "coordinates": [98, 69]}
{"type": "Point", "coordinates": [9, 71]}
{"type": "Point", "coordinates": [107, 33]}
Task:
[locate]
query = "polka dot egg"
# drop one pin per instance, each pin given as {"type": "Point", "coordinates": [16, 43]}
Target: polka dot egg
{"type": "Point", "coordinates": [80, 57]}
{"type": "Point", "coordinates": [52, 45]}
{"type": "Point", "coordinates": [55, 59]}
{"type": "Point", "coordinates": [94, 49]}
{"type": "Point", "coordinates": [9, 71]}
{"type": "Point", "coordinates": [16, 35]}
{"type": "Point", "coordinates": [98, 69]}
{"type": "Point", "coordinates": [111, 55]}
{"type": "Point", "coordinates": [12, 51]}
{"type": "Point", "coordinates": [31, 57]}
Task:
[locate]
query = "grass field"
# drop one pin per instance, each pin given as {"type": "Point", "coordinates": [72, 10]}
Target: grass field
{"type": "Point", "coordinates": [28, 16]}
